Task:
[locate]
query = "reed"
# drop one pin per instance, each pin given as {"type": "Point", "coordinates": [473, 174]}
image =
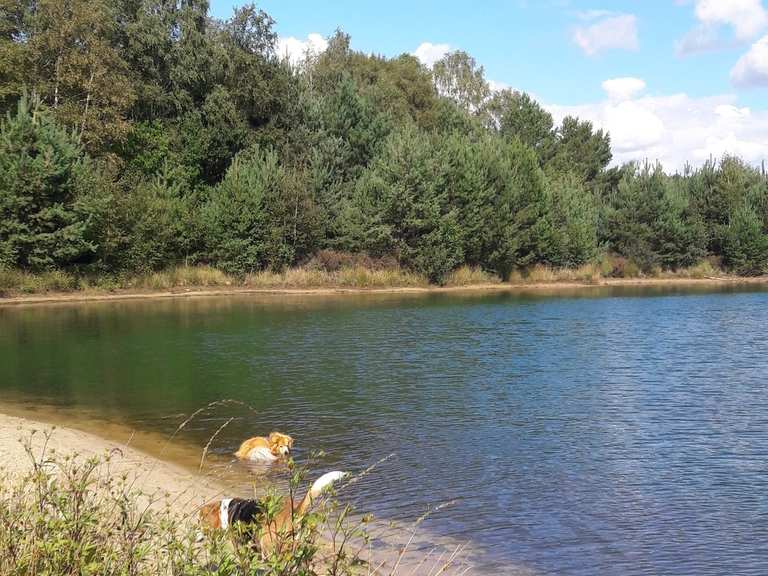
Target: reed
{"type": "Point", "coordinates": [181, 277]}
{"type": "Point", "coordinates": [347, 277]}
{"type": "Point", "coordinates": [471, 276]}
{"type": "Point", "coordinates": [20, 282]}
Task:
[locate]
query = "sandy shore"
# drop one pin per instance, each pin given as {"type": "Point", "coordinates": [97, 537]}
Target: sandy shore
{"type": "Point", "coordinates": [153, 476]}
{"type": "Point", "coordinates": [54, 297]}
{"type": "Point", "coordinates": [161, 476]}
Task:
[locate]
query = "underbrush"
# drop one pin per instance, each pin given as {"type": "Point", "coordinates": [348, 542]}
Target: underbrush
{"type": "Point", "coordinates": [471, 276]}
{"type": "Point", "coordinates": [20, 282]}
{"type": "Point", "coordinates": [356, 277]}
{"type": "Point", "coordinates": [330, 269]}
{"type": "Point", "coordinates": [74, 515]}
{"type": "Point", "coordinates": [181, 277]}
{"type": "Point", "coordinates": [609, 267]}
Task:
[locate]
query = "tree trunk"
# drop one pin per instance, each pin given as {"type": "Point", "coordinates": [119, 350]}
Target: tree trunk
{"type": "Point", "coordinates": [87, 103]}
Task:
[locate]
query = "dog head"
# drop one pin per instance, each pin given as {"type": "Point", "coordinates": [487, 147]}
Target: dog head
{"type": "Point", "coordinates": [280, 444]}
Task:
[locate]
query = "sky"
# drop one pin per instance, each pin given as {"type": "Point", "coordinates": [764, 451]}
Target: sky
{"type": "Point", "coordinates": [678, 81]}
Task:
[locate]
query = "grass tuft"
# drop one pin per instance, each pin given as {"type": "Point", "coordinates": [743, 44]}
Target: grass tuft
{"type": "Point", "coordinates": [347, 277]}
{"type": "Point", "coordinates": [470, 276]}
{"type": "Point", "coordinates": [181, 277]}
{"type": "Point", "coordinates": [20, 282]}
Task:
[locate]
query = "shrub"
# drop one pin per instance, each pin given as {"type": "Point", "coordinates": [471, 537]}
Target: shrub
{"type": "Point", "coordinates": [745, 246]}
{"type": "Point", "coordinates": [469, 276]}
{"type": "Point", "coordinates": [17, 281]}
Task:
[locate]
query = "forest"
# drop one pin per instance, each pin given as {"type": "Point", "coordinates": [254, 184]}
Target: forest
{"type": "Point", "coordinates": [142, 135]}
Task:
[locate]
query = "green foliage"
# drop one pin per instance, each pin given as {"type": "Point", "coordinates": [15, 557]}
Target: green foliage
{"type": "Point", "coordinates": [649, 220]}
{"type": "Point", "coordinates": [44, 176]}
{"type": "Point", "coordinates": [257, 216]}
{"type": "Point", "coordinates": [571, 213]}
{"type": "Point", "coordinates": [459, 78]}
{"type": "Point", "coordinates": [70, 57]}
{"type": "Point", "coordinates": [412, 216]}
{"type": "Point", "coordinates": [745, 243]}
{"type": "Point", "coordinates": [516, 225]}
{"type": "Point", "coordinates": [517, 115]}
{"type": "Point", "coordinates": [168, 137]}
{"type": "Point", "coordinates": [580, 150]}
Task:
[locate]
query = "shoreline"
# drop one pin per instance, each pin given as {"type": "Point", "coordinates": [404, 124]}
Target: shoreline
{"type": "Point", "coordinates": [153, 475]}
{"type": "Point", "coordinates": [198, 292]}
{"type": "Point", "coordinates": [170, 477]}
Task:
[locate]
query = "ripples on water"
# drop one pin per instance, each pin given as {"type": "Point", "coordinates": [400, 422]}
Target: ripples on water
{"type": "Point", "coordinates": [621, 435]}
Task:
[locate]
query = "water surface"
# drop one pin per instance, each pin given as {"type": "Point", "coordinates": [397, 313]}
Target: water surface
{"type": "Point", "coordinates": [604, 431]}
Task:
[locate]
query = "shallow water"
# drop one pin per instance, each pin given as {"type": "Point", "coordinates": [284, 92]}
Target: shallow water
{"type": "Point", "coordinates": [600, 431]}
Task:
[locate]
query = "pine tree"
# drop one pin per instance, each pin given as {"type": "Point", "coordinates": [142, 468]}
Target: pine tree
{"type": "Point", "coordinates": [44, 174]}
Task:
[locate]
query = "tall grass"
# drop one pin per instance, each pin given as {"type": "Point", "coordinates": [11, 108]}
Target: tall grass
{"type": "Point", "coordinates": [72, 515]}
{"type": "Point", "coordinates": [541, 274]}
{"type": "Point", "coordinates": [19, 282]}
{"type": "Point", "coordinates": [471, 276]}
{"type": "Point", "coordinates": [609, 268]}
{"type": "Point", "coordinates": [337, 270]}
{"type": "Point", "coordinates": [355, 277]}
{"type": "Point", "coordinates": [181, 277]}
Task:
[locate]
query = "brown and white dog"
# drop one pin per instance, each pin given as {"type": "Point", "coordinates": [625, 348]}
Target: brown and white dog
{"type": "Point", "coordinates": [222, 514]}
{"type": "Point", "coordinates": [273, 447]}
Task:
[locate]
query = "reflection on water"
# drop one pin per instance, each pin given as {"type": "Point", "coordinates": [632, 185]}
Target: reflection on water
{"type": "Point", "coordinates": [604, 431]}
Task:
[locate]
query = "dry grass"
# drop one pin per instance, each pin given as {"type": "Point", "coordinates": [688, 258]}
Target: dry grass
{"type": "Point", "coordinates": [354, 277]}
{"type": "Point", "coordinates": [338, 270]}
{"type": "Point", "coordinates": [700, 271]}
{"type": "Point", "coordinates": [609, 267]}
{"type": "Point", "coordinates": [470, 276]}
{"type": "Point", "coordinates": [182, 276]}
{"type": "Point", "coordinates": [19, 282]}
{"type": "Point", "coordinates": [540, 274]}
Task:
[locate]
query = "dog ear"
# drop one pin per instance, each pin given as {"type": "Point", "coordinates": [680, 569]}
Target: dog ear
{"type": "Point", "coordinates": [273, 437]}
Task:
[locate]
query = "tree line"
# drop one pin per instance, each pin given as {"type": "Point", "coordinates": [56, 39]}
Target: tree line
{"type": "Point", "coordinates": [140, 134]}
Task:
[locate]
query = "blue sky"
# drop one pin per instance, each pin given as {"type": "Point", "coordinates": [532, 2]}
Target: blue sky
{"type": "Point", "coordinates": [562, 51]}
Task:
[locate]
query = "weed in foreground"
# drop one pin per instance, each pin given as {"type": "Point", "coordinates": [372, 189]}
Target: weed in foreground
{"type": "Point", "coordinates": [73, 515]}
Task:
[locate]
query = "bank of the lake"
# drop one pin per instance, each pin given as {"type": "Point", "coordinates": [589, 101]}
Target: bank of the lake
{"type": "Point", "coordinates": [153, 475]}
{"type": "Point", "coordinates": [164, 475]}
{"type": "Point", "coordinates": [542, 287]}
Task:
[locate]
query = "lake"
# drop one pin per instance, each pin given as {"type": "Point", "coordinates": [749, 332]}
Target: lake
{"type": "Point", "coordinates": [601, 431]}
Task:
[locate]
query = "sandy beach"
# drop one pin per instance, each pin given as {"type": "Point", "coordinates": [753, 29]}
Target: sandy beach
{"type": "Point", "coordinates": [153, 476]}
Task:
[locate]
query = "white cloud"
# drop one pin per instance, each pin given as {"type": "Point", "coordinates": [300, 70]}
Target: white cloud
{"type": "Point", "coordinates": [608, 33]}
{"type": "Point", "coordinates": [497, 86]}
{"type": "Point", "coordinates": [296, 50]}
{"type": "Point", "coordinates": [732, 112]}
{"type": "Point", "coordinates": [747, 18]}
{"type": "Point", "coordinates": [623, 88]}
{"type": "Point", "coordinates": [429, 53]}
{"type": "Point", "coordinates": [677, 128]}
{"type": "Point", "coordinates": [752, 69]}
